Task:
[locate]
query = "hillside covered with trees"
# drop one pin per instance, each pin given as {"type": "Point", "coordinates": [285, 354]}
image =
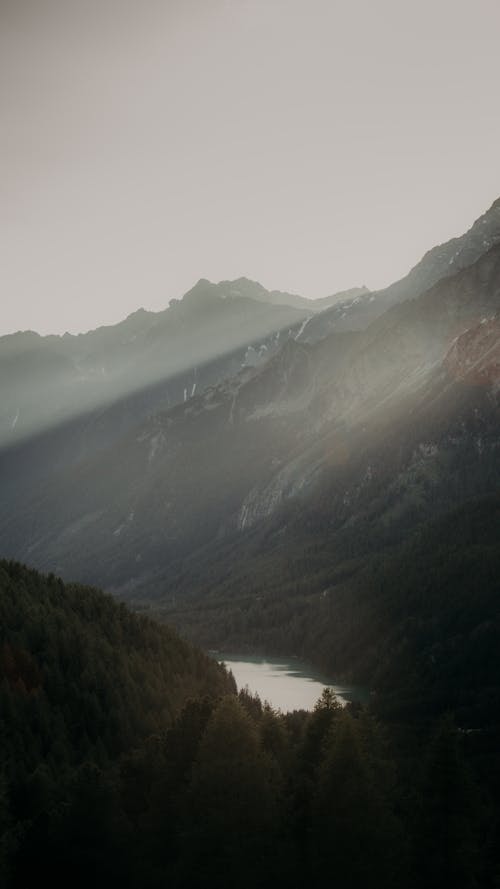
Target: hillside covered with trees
{"type": "Point", "coordinates": [82, 681]}
{"type": "Point", "coordinates": [128, 759]}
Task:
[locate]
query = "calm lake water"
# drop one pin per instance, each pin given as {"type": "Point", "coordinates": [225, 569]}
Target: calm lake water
{"type": "Point", "coordinates": [286, 684]}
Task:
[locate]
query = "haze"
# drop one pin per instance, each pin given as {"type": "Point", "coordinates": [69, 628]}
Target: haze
{"type": "Point", "coordinates": [312, 146]}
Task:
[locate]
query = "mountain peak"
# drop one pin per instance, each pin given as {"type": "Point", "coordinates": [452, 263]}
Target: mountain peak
{"type": "Point", "coordinates": [243, 287]}
{"type": "Point", "coordinates": [201, 290]}
{"type": "Point", "coordinates": [239, 288]}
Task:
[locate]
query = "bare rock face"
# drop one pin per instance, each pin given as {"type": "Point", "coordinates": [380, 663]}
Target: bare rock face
{"type": "Point", "coordinates": [45, 381]}
{"type": "Point", "coordinates": [474, 356]}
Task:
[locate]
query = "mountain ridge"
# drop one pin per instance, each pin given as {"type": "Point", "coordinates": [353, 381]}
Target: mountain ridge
{"type": "Point", "coordinates": [247, 446]}
{"type": "Point", "coordinates": [302, 464]}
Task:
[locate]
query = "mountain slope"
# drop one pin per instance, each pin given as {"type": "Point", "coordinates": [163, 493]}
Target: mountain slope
{"type": "Point", "coordinates": [94, 389]}
{"type": "Point", "coordinates": [45, 381]}
{"type": "Point", "coordinates": [244, 287]}
{"type": "Point", "coordinates": [414, 615]}
{"type": "Point", "coordinates": [443, 261]}
{"type": "Point", "coordinates": [355, 414]}
{"type": "Point", "coordinates": [81, 676]}
{"type": "Point", "coordinates": [83, 683]}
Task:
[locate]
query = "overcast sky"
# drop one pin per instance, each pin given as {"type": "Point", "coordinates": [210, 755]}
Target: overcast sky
{"type": "Point", "coordinates": [312, 145]}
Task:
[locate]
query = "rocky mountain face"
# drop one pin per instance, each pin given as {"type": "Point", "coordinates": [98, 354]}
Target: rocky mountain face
{"type": "Point", "coordinates": [440, 262]}
{"type": "Point", "coordinates": [235, 494]}
{"type": "Point", "coordinates": [48, 381]}
{"type": "Point", "coordinates": [374, 549]}
{"type": "Point", "coordinates": [388, 422]}
{"type": "Point", "coordinates": [45, 381]}
{"type": "Point", "coordinates": [65, 399]}
{"type": "Point", "coordinates": [447, 259]}
{"type": "Point", "coordinates": [253, 290]}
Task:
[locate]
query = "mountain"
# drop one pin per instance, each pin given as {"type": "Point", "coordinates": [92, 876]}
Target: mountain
{"type": "Point", "coordinates": [65, 399]}
{"type": "Point", "coordinates": [46, 381]}
{"type": "Point", "coordinates": [355, 411]}
{"type": "Point", "coordinates": [243, 287]}
{"type": "Point", "coordinates": [446, 259]}
{"type": "Point", "coordinates": [277, 491]}
{"type": "Point", "coordinates": [328, 489]}
{"type": "Point", "coordinates": [83, 683]}
{"type": "Point", "coordinates": [54, 634]}
{"type": "Point", "coordinates": [410, 612]}
{"type": "Point", "coordinates": [440, 262]}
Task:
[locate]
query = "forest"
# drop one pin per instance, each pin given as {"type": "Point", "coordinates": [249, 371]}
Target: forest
{"type": "Point", "coordinates": [128, 758]}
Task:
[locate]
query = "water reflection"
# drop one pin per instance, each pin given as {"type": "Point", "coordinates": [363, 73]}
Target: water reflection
{"type": "Point", "coordinates": [287, 685]}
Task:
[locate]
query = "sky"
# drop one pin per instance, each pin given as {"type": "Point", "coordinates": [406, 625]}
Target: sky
{"type": "Point", "coordinates": [312, 145]}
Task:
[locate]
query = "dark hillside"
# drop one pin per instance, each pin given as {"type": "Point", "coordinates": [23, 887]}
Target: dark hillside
{"type": "Point", "coordinates": [84, 679]}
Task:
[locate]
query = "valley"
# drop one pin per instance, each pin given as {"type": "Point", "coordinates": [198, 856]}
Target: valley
{"type": "Point", "coordinates": [249, 444]}
{"type": "Point", "coordinates": [315, 492]}
{"type": "Point", "coordinates": [260, 506]}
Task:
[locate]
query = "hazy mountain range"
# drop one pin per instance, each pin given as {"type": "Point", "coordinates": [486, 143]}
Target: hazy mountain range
{"type": "Point", "coordinates": [192, 458]}
{"type": "Point", "coordinates": [47, 380]}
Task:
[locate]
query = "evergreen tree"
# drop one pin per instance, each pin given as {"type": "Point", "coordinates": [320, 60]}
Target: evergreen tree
{"type": "Point", "coordinates": [352, 828]}
{"type": "Point", "coordinates": [232, 801]}
{"type": "Point", "coordinates": [447, 832]}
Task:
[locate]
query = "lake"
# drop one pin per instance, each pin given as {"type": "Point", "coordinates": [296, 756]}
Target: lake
{"type": "Point", "coordinates": [286, 684]}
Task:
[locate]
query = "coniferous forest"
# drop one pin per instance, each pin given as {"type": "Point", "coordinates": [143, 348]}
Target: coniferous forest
{"type": "Point", "coordinates": [128, 759]}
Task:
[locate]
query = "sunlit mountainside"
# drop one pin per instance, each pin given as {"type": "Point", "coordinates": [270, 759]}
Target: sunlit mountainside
{"type": "Point", "coordinates": [269, 475]}
{"type": "Point", "coordinates": [273, 468]}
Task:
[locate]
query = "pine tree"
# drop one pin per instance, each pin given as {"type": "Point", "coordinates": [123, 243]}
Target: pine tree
{"type": "Point", "coordinates": [232, 802]}
{"type": "Point", "coordinates": [353, 827]}
{"type": "Point", "coordinates": [447, 836]}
